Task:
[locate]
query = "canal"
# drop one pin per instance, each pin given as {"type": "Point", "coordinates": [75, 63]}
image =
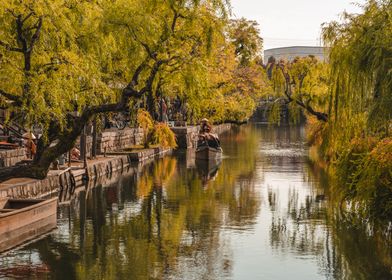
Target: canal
{"type": "Point", "coordinates": [264, 212]}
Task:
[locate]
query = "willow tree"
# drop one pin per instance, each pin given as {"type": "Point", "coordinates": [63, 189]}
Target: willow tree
{"type": "Point", "coordinates": [245, 37]}
{"type": "Point", "coordinates": [46, 73]}
{"type": "Point", "coordinates": [358, 137]}
{"type": "Point", "coordinates": [221, 83]}
{"type": "Point", "coordinates": [65, 61]}
{"type": "Point", "coordinates": [302, 82]}
{"type": "Point", "coordinates": [361, 63]}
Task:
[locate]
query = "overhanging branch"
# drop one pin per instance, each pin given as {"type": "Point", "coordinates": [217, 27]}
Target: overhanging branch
{"type": "Point", "coordinates": [10, 48]}
{"type": "Point", "coordinates": [12, 97]}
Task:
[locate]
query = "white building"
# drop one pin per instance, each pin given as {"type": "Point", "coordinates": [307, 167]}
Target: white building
{"type": "Point", "coordinates": [289, 53]}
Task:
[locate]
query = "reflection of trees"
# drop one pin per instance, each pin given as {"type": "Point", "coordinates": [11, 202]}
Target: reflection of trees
{"type": "Point", "coordinates": [166, 218]}
{"type": "Point", "coordinates": [162, 223]}
{"type": "Point", "coordinates": [313, 227]}
{"type": "Point", "coordinates": [146, 225]}
{"type": "Point", "coordinates": [300, 228]}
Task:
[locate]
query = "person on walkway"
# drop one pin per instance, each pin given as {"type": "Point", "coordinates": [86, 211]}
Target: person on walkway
{"type": "Point", "coordinates": [31, 147]}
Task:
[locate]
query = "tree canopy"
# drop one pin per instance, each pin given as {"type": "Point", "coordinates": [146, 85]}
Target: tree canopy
{"type": "Point", "coordinates": [63, 62]}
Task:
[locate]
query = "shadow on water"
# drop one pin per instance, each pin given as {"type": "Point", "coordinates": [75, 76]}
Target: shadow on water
{"type": "Point", "coordinates": [262, 208]}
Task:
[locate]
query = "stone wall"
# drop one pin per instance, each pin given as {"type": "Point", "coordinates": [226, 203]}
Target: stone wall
{"type": "Point", "coordinates": [222, 128]}
{"type": "Point", "coordinates": [30, 188]}
{"type": "Point", "coordinates": [115, 140]}
{"type": "Point", "coordinates": [187, 136]}
{"type": "Point", "coordinates": [24, 188]}
{"type": "Point", "coordinates": [11, 157]}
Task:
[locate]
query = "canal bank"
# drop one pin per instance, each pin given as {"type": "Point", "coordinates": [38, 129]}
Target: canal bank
{"type": "Point", "coordinates": [111, 143]}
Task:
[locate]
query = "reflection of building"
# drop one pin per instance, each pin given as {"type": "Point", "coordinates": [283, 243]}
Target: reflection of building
{"type": "Point", "coordinates": [289, 53]}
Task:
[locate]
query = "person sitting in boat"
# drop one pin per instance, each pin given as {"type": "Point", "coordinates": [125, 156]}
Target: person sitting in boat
{"type": "Point", "coordinates": [205, 127]}
{"type": "Point", "coordinates": [205, 134]}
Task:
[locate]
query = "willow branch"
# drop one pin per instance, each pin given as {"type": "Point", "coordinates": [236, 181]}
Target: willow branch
{"type": "Point", "coordinates": [12, 97]}
{"type": "Point", "coordinates": [10, 48]}
{"type": "Point", "coordinates": [36, 34]}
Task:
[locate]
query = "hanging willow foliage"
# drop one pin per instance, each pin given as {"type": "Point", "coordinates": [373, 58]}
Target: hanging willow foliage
{"type": "Point", "coordinates": [357, 139]}
{"type": "Point", "coordinates": [361, 63]}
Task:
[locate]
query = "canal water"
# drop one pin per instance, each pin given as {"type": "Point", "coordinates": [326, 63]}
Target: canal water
{"type": "Point", "coordinates": [264, 212]}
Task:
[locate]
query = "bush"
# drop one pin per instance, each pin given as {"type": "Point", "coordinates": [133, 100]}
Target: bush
{"type": "Point", "coordinates": [351, 159]}
{"type": "Point", "coordinates": [163, 136]}
{"type": "Point", "coordinates": [374, 179]}
{"type": "Point", "coordinates": [365, 168]}
{"type": "Point", "coordinates": [315, 130]}
{"type": "Point", "coordinates": [146, 122]}
{"type": "Point", "coordinates": [155, 134]}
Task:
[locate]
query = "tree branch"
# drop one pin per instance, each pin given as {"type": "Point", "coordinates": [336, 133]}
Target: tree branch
{"type": "Point", "coordinates": [36, 34]}
{"type": "Point", "coordinates": [28, 16]}
{"type": "Point", "coordinates": [12, 97]}
{"type": "Point", "coordinates": [19, 31]}
{"type": "Point", "coordinates": [10, 48]}
{"type": "Point", "coordinates": [288, 92]}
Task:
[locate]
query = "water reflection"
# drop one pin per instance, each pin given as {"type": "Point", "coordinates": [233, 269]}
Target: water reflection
{"type": "Point", "coordinates": [207, 170]}
{"type": "Point", "coordinates": [264, 212]}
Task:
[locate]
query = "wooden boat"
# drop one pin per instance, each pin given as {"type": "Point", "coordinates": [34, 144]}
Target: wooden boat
{"type": "Point", "coordinates": [206, 152]}
{"type": "Point", "coordinates": [208, 147]}
{"type": "Point", "coordinates": [22, 220]}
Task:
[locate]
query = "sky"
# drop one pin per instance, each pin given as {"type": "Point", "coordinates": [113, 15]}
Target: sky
{"type": "Point", "coordinates": [292, 22]}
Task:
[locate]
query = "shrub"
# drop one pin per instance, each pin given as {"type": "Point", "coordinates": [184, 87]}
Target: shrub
{"type": "Point", "coordinates": [351, 159]}
{"type": "Point", "coordinates": [162, 135]}
{"type": "Point", "coordinates": [146, 122]}
{"type": "Point", "coordinates": [374, 179]}
{"type": "Point", "coordinates": [155, 134]}
{"type": "Point", "coordinates": [315, 130]}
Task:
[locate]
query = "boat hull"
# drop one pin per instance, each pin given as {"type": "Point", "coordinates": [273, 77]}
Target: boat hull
{"type": "Point", "coordinates": [27, 223]}
{"type": "Point", "coordinates": [208, 153]}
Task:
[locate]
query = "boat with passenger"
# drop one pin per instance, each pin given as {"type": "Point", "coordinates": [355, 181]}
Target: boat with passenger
{"type": "Point", "coordinates": [208, 144]}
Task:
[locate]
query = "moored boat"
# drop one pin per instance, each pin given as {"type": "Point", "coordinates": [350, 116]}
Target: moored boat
{"type": "Point", "coordinates": [22, 220]}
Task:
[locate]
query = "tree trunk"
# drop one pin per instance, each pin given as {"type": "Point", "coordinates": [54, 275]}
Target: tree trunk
{"type": "Point", "coordinates": [151, 105]}
{"type": "Point", "coordinates": [94, 145]}
{"type": "Point", "coordinates": [21, 171]}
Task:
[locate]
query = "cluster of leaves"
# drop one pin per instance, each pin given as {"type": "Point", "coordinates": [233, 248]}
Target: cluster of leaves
{"type": "Point", "coordinates": [155, 133]}
{"type": "Point", "coordinates": [365, 166]}
{"type": "Point", "coordinates": [42, 62]}
{"type": "Point", "coordinates": [162, 135]}
{"type": "Point", "coordinates": [360, 58]}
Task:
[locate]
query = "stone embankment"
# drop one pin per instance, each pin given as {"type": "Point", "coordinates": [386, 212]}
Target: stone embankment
{"type": "Point", "coordinates": [11, 157]}
{"type": "Point", "coordinates": [114, 140]}
{"type": "Point", "coordinates": [64, 182]}
{"type": "Point", "coordinates": [187, 136]}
